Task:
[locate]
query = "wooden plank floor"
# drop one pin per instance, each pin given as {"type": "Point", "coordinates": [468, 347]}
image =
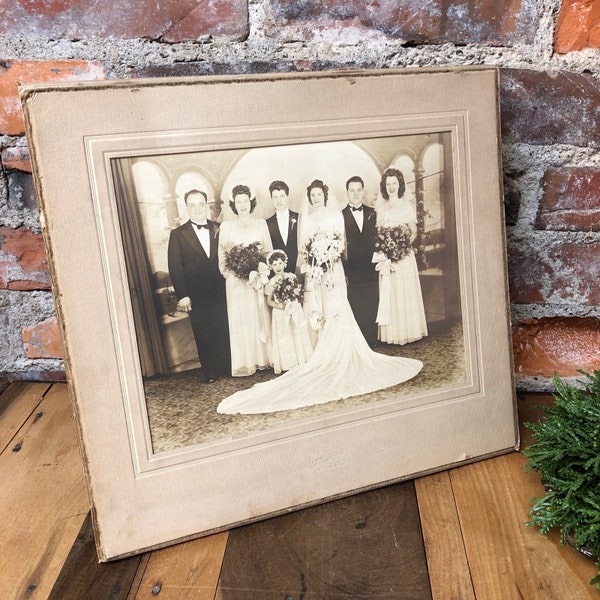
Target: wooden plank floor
{"type": "Point", "coordinates": [458, 534]}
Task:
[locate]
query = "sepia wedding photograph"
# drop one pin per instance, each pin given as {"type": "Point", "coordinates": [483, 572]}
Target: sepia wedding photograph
{"type": "Point", "coordinates": [273, 290]}
{"type": "Point", "coordinates": [290, 281]}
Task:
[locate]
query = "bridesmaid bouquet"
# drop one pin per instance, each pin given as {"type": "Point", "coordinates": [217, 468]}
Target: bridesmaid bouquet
{"type": "Point", "coordinates": [323, 250]}
{"type": "Point", "coordinates": [287, 289]}
{"type": "Point", "coordinates": [393, 242]}
{"type": "Point", "coordinates": [244, 259]}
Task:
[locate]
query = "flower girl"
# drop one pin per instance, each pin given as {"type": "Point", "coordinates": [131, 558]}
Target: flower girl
{"type": "Point", "coordinates": [289, 333]}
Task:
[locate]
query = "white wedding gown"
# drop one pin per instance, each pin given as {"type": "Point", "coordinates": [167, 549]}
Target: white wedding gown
{"type": "Point", "coordinates": [342, 364]}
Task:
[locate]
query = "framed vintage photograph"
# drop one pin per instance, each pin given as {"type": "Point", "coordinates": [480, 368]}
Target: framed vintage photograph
{"type": "Point", "coordinates": [273, 290]}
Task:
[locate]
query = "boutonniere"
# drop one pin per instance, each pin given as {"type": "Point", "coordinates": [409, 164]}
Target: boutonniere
{"type": "Point", "coordinates": [293, 222]}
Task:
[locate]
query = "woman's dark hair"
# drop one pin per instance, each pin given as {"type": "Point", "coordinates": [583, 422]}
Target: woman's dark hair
{"type": "Point", "coordinates": [317, 183]}
{"type": "Point", "coordinates": [277, 254]}
{"type": "Point", "coordinates": [401, 183]}
{"type": "Point", "coordinates": [241, 190]}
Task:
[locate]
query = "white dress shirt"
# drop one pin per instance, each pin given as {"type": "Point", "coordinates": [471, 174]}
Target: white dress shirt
{"type": "Point", "coordinates": [359, 216]}
{"type": "Point", "coordinates": [283, 222]}
{"type": "Point", "coordinates": [203, 236]}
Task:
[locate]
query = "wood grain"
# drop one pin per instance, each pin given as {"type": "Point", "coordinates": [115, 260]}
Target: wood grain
{"type": "Point", "coordinates": [83, 577]}
{"type": "Point", "coordinates": [507, 559]}
{"type": "Point", "coordinates": [187, 571]}
{"type": "Point", "coordinates": [43, 500]}
{"type": "Point", "coordinates": [17, 403]}
{"type": "Point", "coordinates": [364, 546]}
{"type": "Point", "coordinates": [446, 557]}
{"type": "Point", "coordinates": [531, 410]}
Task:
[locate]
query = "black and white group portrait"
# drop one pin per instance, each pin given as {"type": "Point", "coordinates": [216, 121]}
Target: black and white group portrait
{"type": "Point", "coordinates": [274, 279]}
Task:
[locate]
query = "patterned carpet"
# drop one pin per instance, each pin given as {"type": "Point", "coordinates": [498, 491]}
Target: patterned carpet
{"type": "Point", "coordinates": [182, 409]}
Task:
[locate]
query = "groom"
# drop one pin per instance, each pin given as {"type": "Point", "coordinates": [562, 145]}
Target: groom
{"type": "Point", "coordinates": [283, 225]}
{"type": "Point", "coordinates": [199, 285]}
{"type": "Point", "coordinates": [363, 280]}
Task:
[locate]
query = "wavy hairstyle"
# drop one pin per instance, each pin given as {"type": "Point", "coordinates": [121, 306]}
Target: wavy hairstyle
{"type": "Point", "coordinates": [276, 254]}
{"type": "Point", "coordinates": [391, 172]}
{"type": "Point", "coordinates": [240, 190]}
{"type": "Point", "coordinates": [317, 183]}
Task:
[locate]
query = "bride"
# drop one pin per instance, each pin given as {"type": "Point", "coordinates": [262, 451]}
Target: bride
{"type": "Point", "coordinates": [342, 364]}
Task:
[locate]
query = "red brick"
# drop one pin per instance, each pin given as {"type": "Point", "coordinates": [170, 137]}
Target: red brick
{"type": "Point", "coordinates": [556, 345]}
{"type": "Point", "coordinates": [43, 340]}
{"type": "Point", "coordinates": [16, 159]}
{"type": "Point", "coordinates": [220, 18]}
{"type": "Point", "coordinates": [14, 72]}
{"type": "Point", "coordinates": [527, 274]}
{"type": "Point", "coordinates": [549, 108]}
{"type": "Point", "coordinates": [571, 200]}
{"type": "Point", "coordinates": [436, 21]}
{"type": "Point", "coordinates": [578, 26]}
{"type": "Point", "coordinates": [576, 274]}
{"type": "Point", "coordinates": [168, 20]}
{"type": "Point", "coordinates": [23, 264]}
{"type": "Point", "coordinates": [561, 274]}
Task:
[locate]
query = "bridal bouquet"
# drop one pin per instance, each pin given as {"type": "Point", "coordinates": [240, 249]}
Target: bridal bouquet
{"type": "Point", "coordinates": [244, 259]}
{"type": "Point", "coordinates": [393, 242]}
{"type": "Point", "coordinates": [287, 289]}
{"type": "Point", "coordinates": [323, 250]}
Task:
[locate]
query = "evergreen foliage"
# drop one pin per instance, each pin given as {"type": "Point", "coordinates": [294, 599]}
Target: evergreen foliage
{"type": "Point", "coordinates": [566, 451]}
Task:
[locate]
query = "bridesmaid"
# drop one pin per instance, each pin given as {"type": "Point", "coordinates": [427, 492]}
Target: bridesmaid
{"type": "Point", "coordinates": [241, 241]}
{"type": "Point", "coordinates": [401, 314]}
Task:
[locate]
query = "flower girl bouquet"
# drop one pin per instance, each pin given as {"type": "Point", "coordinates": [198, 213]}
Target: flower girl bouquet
{"type": "Point", "coordinates": [287, 289]}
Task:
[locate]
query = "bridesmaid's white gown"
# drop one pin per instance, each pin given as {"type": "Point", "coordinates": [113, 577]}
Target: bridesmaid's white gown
{"type": "Point", "coordinates": [247, 309]}
{"type": "Point", "coordinates": [405, 320]}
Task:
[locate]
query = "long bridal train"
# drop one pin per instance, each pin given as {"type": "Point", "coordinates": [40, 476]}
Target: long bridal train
{"type": "Point", "coordinates": [342, 365]}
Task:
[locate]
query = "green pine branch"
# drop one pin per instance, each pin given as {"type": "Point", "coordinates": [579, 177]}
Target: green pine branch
{"type": "Point", "coordinates": [566, 451]}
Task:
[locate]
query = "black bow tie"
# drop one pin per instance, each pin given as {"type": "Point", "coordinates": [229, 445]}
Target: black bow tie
{"type": "Point", "coordinates": [205, 226]}
{"type": "Point", "coordinates": [358, 208]}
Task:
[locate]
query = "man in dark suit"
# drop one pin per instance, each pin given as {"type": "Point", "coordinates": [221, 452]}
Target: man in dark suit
{"type": "Point", "coordinates": [283, 225]}
{"type": "Point", "coordinates": [199, 285]}
{"type": "Point", "coordinates": [363, 284]}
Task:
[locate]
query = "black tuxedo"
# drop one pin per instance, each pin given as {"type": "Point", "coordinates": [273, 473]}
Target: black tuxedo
{"type": "Point", "coordinates": [363, 280]}
{"type": "Point", "coordinates": [291, 248]}
{"type": "Point", "coordinates": [195, 275]}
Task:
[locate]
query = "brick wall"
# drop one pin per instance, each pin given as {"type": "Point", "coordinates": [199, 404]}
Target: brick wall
{"type": "Point", "coordinates": [550, 103]}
